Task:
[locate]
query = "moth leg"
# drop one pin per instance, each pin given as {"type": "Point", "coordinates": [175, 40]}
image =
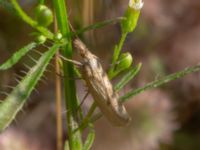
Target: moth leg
{"type": "Point", "coordinates": [72, 61]}
{"type": "Point", "coordinates": [84, 98]}
{"type": "Point", "coordinates": [82, 101]}
{"type": "Point", "coordinates": [63, 76]}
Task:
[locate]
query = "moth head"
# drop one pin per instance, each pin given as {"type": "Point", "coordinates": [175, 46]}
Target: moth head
{"type": "Point", "coordinates": [80, 46]}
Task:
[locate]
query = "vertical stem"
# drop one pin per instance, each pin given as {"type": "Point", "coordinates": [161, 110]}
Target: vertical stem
{"type": "Point", "coordinates": [119, 47]}
{"type": "Point", "coordinates": [116, 54]}
{"type": "Point", "coordinates": [75, 142]}
{"type": "Point", "coordinates": [59, 126]}
{"type": "Point", "coordinates": [58, 105]}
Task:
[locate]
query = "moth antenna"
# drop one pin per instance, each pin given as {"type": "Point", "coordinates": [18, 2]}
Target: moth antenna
{"type": "Point", "coordinates": [33, 59]}
{"type": "Point", "coordinates": [72, 61]}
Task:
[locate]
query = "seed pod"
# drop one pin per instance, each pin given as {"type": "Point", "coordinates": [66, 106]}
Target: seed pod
{"type": "Point", "coordinates": [40, 39]}
{"type": "Point", "coordinates": [125, 61]}
{"type": "Point", "coordinates": [101, 88]}
{"type": "Point", "coordinates": [43, 15]}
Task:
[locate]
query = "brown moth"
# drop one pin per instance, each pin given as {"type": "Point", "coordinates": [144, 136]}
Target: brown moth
{"type": "Point", "coordinates": [100, 87]}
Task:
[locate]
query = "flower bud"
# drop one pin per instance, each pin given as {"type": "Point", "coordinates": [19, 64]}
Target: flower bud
{"type": "Point", "coordinates": [125, 61]}
{"type": "Point", "coordinates": [58, 36]}
{"type": "Point", "coordinates": [40, 39]}
{"type": "Point", "coordinates": [131, 16]}
{"type": "Point", "coordinates": [43, 15]}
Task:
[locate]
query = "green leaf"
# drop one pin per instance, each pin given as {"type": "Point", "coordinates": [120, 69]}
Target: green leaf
{"type": "Point", "coordinates": [16, 99]}
{"type": "Point", "coordinates": [116, 54]}
{"type": "Point", "coordinates": [71, 101]}
{"type": "Point", "coordinates": [99, 25]}
{"type": "Point", "coordinates": [127, 77]}
{"type": "Point", "coordinates": [30, 21]}
{"type": "Point", "coordinates": [90, 139]}
{"type": "Point", "coordinates": [160, 82]}
{"type": "Point", "coordinates": [17, 55]}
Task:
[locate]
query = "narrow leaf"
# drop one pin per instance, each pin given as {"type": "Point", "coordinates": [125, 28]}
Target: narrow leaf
{"type": "Point", "coordinates": [16, 99]}
{"type": "Point", "coordinates": [160, 82]}
{"type": "Point", "coordinates": [90, 139]}
{"type": "Point", "coordinates": [99, 25]}
{"type": "Point", "coordinates": [127, 77]}
{"type": "Point", "coordinates": [17, 55]}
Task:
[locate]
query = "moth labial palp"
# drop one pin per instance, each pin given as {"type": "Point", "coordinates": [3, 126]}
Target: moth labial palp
{"type": "Point", "coordinates": [100, 87]}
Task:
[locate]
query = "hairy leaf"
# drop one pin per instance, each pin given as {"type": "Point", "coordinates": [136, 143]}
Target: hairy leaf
{"type": "Point", "coordinates": [16, 99]}
{"type": "Point", "coordinates": [17, 55]}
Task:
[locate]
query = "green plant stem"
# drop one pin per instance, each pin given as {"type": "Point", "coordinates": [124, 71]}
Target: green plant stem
{"type": "Point", "coordinates": [160, 82]}
{"type": "Point", "coordinates": [99, 25]}
{"type": "Point", "coordinates": [30, 21]}
{"type": "Point", "coordinates": [87, 117]}
{"type": "Point", "coordinates": [116, 54]}
{"type": "Point", "coordinates": [75, 142]}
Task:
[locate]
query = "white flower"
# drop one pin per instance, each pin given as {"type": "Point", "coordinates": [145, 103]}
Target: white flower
{"type": "Point", "coordinates": [136, 4]}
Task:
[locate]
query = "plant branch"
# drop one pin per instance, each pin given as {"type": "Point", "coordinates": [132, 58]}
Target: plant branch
{"type": "Point", "coordinates": [30, 21]}
{"type": "Point", "coordinates": [160, 82]}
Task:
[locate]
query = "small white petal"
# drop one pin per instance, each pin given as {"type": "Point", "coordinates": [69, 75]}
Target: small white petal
{"type": "Point", "coordinates": [136, 5]}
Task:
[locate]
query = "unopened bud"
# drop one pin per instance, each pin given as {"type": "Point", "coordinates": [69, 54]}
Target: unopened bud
{"type": "Point", "coordinates": [131, 16]}
{"type": "Point", "coordinates": [125, 61]}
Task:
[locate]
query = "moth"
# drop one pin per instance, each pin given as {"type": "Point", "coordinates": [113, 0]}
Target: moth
{"type": "Point", "coordinates": [100, 87]}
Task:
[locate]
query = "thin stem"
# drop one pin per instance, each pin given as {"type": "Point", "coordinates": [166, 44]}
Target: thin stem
{"type": "Point", "coordinates": [160, 82]}
{"type": "Point", "coordinates": [30, 21]}
{"type": "Point", "coordinates": [59, 123]}
{"type": "Point", "coordinates": [116, 54]}
{"type": "Point", "coordinates": [118, 48]}
{"type": "Point", "coordinates": [99, 25]}
{"type": "Point", "coordinates": [75, 141]}
{"type": "Point", "coordinates": [87, 118]}
{"type": "Point", "coordinates": [58, 105]}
